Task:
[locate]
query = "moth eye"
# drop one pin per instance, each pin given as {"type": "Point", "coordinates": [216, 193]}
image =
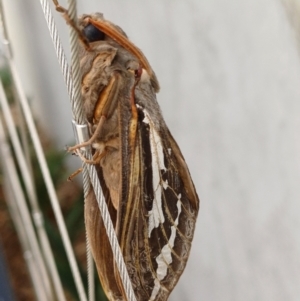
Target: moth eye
{"type": "Point", "coordinates": [93, 34]}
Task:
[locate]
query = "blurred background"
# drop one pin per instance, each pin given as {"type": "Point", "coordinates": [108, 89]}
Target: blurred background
{"type": "Point", "coordinates": [230, 93]}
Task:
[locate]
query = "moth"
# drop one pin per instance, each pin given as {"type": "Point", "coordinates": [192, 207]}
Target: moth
{"type": "Point", "coordinates": [145, 180]}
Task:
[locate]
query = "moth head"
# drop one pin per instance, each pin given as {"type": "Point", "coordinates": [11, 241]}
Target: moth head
{"type": "Point", "coordinates": [95, 28]}
{"type": "Point", "coordinates": [91, 32]}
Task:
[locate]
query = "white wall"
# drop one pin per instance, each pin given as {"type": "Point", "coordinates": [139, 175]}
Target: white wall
{"type": "Point", "coordinates": [230, 78]}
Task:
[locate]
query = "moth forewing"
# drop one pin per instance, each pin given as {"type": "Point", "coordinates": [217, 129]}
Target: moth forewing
{"type": "Point", "coordinates": [170, 216]}
{"type": "Point", "coordinates": [147, 186]}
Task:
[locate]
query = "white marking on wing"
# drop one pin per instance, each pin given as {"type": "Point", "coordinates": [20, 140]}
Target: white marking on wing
{"type": "Point", "coordinates": [165, 257]}
{"type": "Point", "coordinates": [156, 214]}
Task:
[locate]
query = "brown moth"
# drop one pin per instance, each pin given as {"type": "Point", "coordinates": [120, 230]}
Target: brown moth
{"type": "Point", "coordinates": [145, 180]}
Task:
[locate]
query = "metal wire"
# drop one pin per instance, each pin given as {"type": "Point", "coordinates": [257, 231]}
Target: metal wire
{"type": "Point", "coordinates": [59, 50]}
{"type": "Point", "coordinates": [111, 234]}
{"type": "Point", "coordinates": [21, 216]}
{"type": "Point", "coordinates": [25, 169]}
{"type": "Point", "coordinates": [91, 271]}
{"type": "Point", "coordinates": [79, 119]}
{"type": "Point", "coordinates": [49, 185]}
{"type": "Point", "coordinates": [36, 213]}
{"type": "Point", "coordinates": [76, 72]}
{"type": "Point", "coordinates": [91, 169]}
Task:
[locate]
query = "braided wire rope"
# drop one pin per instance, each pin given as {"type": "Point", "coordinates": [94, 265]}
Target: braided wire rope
{"type": "Point", "coordinates": [37, 215]}
{"type": "Point", "coordinates": [79, 119]}
{"type": "Point", "coordinates": [35, 210]}
{"type": "Point", "coordinates": [48, 182]}
{"type": "Point", "coordinates": [91, 169]}
{"type": "Point", "coordinates": [36, 264]}
{"type": "Point", "coordinates": [20, 215]}
{"type": "Point", "coordinates": [69, 83]}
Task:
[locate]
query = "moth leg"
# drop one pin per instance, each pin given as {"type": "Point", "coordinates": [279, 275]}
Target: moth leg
{"type": "Point", "coordinates": [71, 22]}
{"type": "Point", "coordinates": [92, 139]}
{"type": "Point", "coordinates": [74, 174]}
{"type": "Point", "coordinates": [59, 8]}
{"type": "Point", "coordinates": [96, 160]}
{"type": "Point", "coordinates": [104, 108]}
{"type": "Point", "coordinates": [96, 157]}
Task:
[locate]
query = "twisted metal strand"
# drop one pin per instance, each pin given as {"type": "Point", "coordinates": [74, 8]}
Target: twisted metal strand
{"type": "Point", "coordinates": [79, 119]}
{"type": "Point", "coordinates": [59, 51]}
{"type": "Point", "coordinates": [69, 83]}
{"type": "Point", "coordinates": [21, 217]}
{"type": "Point", "coordinates": [111, 233]}
{"type": "Point", "coordinates": [92, 171]}
{"type": "Point", "coordinates": [76, 72]}
{"type": "Point", "coordinates": [24, 165]}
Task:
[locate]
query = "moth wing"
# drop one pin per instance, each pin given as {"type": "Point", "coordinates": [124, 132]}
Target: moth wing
{"type": "Point", "coordinates": [98, 240]}
{"type": "Point", "coordinates": [158, 217]}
